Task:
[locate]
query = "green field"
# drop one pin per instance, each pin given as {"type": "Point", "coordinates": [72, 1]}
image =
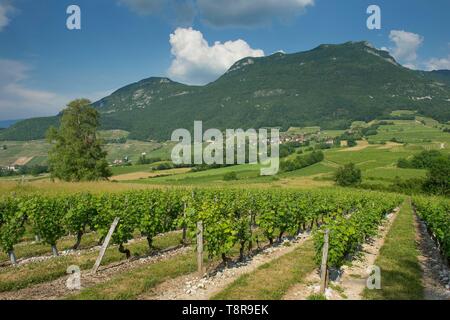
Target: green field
{"type": "Point", "coordinates": [377, 160]}
{"type": "Point", "coordinates": [38, 150]}
{"type": "Point", "coordinates": [408, 131]}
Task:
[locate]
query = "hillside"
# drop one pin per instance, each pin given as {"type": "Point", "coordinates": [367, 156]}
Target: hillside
{"type": "Point", "coordinates": [330, 86]}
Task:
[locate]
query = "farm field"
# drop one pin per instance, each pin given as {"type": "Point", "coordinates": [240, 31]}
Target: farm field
{"type": "Point", "coordinates": [225, 159]}
{"type": "Point", "coordinates": [271, 250]}
{"type": "Point", "coordinates": [37, 151]}
{"type": "Point", "coordinates": [277, 258]}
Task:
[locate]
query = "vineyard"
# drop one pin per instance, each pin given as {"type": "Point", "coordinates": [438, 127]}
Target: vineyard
{"type": "Point", "coordinates": [436, 214]}
{"type": "Point", "coordinates": [230, 217]}
{"type": "Point", "coordinates": [235, 223]}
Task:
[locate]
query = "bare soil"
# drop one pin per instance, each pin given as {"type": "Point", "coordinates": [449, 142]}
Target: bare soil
{"type": "Point", "coordinates": [351, 283]}
{"type": "Point", "coordinates": [193, 287]}
{"type": "Point", "coordinates": [436, 273]}
{"type": "Point", "coordinates": [22, 161]}
{"type": "Point", "coordinates": [58, 289]}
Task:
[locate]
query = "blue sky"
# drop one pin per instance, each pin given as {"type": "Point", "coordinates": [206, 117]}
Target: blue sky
{"type": "Point", "coordinates": [43, 65]}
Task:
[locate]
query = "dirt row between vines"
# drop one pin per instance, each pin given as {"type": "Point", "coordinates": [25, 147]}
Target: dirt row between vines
{"type": "Point", "coordinates": [350, 282]}
{"type": "Point", "coordinates": [216, 280]}
{"type": "Point", "coordinates": [436, 273]}
{"type": "Point", "coordinates": [58, 289]}
{"type": "Point", "coordinates": [194, 287]}
{"type": "Point", "coordinates": [71, 252]}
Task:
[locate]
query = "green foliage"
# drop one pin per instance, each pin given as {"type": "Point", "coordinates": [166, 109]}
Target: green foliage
{"type": "Point", "coordinates": [80, 214]}
{"type": "Point", "coordinates": [11, 224]}
{"type": "Point", "coordinates": [348, 175]}
{"type": "Point", "coordinates": [351, 143]}
{"type": "Point", "coordinates": [287, 149]}
{"type": "Point", "coordinates": [34, 170]}
{"type": "Point", "coordinates": [438, 165]}
{"type": "Point", "coordinates": [350, 228]}
{"type": "Point", "coordinates": [229, 217]}
{"type": "Point", "coordinates": [302, 161]}
{"type": "Point", "coordinates": [76, 154]}
{"type": "Point", "coordinates": [436, 214]}
{"type": "Point", "coordinates": [438, 177]}
{"type": "Point", "coordinates": [144, 160]}
{"type": "Point", "coordinates": [230, 176]}
{"type": "Point", "coordinates": [423, 160]}
{"type": "Point", "coordinates": [46, 216]}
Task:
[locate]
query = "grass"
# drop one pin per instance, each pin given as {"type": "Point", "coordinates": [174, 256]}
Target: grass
{"type": "Point", "coordinates": [390, 174]}
{"type": "Point", "coordinates": [38, 150]}
{"type": "Point", "coordinates": [131, 169]}
{"type": "Point", "coordinates": [16, 149]}
{"type": "Point", "coordinates": [47, 187]}
{"type": "Point", "coordinates": [411, 132]}
{"type": "Point", "coordinates": [130, 285]}
{"type": "Point", "coordinates": [142, 280]}
{"type": "Point", "coordinates": [272, 280]}
{"type": "Point", "coordinates": [14, 278]}
{"type": "Point", "coordinates": [398, 259]}
{"type": "Point", "coordinates": [243, 172]}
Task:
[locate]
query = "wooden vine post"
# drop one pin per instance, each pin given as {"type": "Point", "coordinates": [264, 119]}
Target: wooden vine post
{"type": "Point", "coordinates": [184, 241]}
{"type": "Point", "coordinates": [200, 248]}
{"type": "Point", "coordinates": [105, 245]}
{"type": "Point", "coordinates": [324, 267]}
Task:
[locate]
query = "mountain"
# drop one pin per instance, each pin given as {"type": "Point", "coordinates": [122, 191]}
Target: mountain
{"type": "Point", "coordinates": [330, 86]}
{"type": "Point", "coordinates": [7, 123]}
{"type": "Point", "coordinates": [441, 75]}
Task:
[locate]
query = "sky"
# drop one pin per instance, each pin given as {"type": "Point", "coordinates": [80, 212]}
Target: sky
{"type": "Point", "coordinates": [44, 64]}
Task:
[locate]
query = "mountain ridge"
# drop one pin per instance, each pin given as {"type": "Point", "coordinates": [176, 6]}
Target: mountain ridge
{"type": "Point", "coordinates": [330, 85]}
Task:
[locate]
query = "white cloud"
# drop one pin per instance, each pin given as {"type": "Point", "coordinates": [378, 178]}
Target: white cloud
{"type": "Point", "coordinates": [5, 10]}
{"type": "Point", "coordinates": [18, 101]}
{"type": "Point", "coordinates": [224, 13]}
{"type": "Point", "coordinates": [196, 62]}
{"type": "Point", "coordinates": [406, 46]}
{"type": "Point", "coordinates": [438, 64]}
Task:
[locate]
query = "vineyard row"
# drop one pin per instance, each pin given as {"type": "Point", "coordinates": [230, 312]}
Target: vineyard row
{"type": "Point", "coordinates": [230, 217]}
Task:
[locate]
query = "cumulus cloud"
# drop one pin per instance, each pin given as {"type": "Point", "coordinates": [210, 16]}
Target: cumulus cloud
{"type": "Point", "coordinates": [438, 63]}
{"type": "Point", "coordinates": [223, 13]}
{"type": "Point", "coordinates": [197, 62]}
{"type": "Point", "coordinates": [406, 46]}
{"type": "Point", "coordinates": [5, 10]}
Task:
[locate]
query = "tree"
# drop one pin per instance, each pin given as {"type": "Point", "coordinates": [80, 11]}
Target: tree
{"type": "Point", "coordinates": [438, 177]}
{"type": "Point", "coordinates": [77, 154]}
{"type": "Point", "coordinates": [348, 175]}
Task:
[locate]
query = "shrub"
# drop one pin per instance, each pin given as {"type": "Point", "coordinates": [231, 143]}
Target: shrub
{"type": "Point", "coordinates": [438, 178]}
{"type": "Point", "coordinates": [230, 176]}
{"type": "Point", "coordinates": [348, 175]}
